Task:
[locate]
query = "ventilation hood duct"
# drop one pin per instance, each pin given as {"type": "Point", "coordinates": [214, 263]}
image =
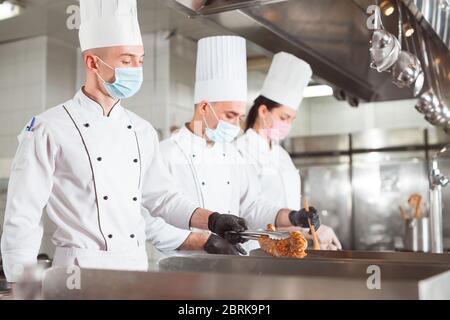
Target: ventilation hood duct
{"type": "Point", "coordinates": [331, 35]}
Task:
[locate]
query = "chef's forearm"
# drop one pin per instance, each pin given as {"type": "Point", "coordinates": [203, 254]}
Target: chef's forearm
{"type": "Point", "coordinates": [282, 219]}
{"type": "Point", "coordinates": [195, 241]}
{"type": "Point", "coordinates": [199, 219]}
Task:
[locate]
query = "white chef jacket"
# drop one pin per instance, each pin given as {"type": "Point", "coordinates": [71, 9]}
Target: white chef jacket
{"type": "Point", "coordinates": [215, 177]}
{"type": "Point", "coordinates": [277, 176]}
{"type": "Point", "coordinates": [92, 173]}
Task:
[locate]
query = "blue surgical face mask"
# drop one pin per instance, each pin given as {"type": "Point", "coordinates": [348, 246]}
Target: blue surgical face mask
{"type": "Point", "coordinates": [223, 133]}
{"type": "Point", "coordinates": [127, 84]}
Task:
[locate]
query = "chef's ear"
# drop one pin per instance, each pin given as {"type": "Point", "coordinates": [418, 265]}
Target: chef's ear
{"type": "Point", "coordinates": [262, 111]}
{"type": "Point", "coordinates": [90, 61]}
{"type": "Point", "coordinates": [202, 107]}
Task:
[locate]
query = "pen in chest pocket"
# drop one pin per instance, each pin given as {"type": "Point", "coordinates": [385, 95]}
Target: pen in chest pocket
{"type": "Point", "coordinates": [30, 127]}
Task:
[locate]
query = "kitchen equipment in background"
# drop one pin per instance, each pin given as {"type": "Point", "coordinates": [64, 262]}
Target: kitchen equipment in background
{"type": "Point", "coordinates": [437, 181]}
{"type": "Point", "coordinates": [416, 237]}
{"type": "Point", "coordinates": [387, 55]}
{"type": "Point", "coordinates": [385, 47]}
{"type": "Point", "coordinates": [416, 233]}
{"type": "Point", "coordinates": [407, 69]}
{"type": "Point", "coordinates": [384, 50]}
{"type": "Point", "coordinates": [361, 178]}
{"type": "Point", "coordinates": [431, 103]}
{"type": "Point", "coordinates": [415, 202]}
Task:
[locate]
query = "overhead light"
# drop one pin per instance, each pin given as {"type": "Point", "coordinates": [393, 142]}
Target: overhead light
{"type": "Point", "coordinates": [318, 91]}
{"type": "Point", "coordinates": [387, 7]}
{"type": "Point", "coordinates": [408, 30]}
{"type": "Point", "coordinates": [9, 9]}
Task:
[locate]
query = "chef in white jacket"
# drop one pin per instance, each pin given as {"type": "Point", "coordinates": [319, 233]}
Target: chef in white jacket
{"type": "Point", "coordinates": [92, 165]}
{"type": "Point", "coordinates": [269, 122]}
{"type": "Point", "coordinates": [202, 155]}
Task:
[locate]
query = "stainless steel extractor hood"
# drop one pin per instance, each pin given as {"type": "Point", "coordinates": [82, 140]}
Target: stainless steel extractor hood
{"type": "Point", "coordinates": [329, 34]}
{"type": "Point", "coordinates": [206, 7]}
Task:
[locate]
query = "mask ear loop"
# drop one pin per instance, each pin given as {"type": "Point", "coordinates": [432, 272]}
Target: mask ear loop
{"type": "Point", "coordinates": [214, 112]}
{"type": "Point", "coordinates": [98, 74]}
{"type": "Point", "coordinates": [206, 123]}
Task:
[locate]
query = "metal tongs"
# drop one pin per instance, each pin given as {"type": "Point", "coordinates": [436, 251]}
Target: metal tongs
{"type": "Point", "coordinates": [255, 235]}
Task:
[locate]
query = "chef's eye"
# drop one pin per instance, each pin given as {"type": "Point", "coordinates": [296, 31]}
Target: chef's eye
{"type": "Point", "coordinates": [126, 63]}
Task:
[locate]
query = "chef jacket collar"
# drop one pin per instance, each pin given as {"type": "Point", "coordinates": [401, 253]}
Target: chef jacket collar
{"type": "Point", "coordinates": [94, 109]}
{"type": "Point", "coordinates": [261, 143]}
{"type": "Point", "coordinates": [188, 135]}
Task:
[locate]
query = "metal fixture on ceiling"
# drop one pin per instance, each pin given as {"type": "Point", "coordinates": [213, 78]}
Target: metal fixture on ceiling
{"type": "Point", "coordinates": [437, 181]}
{"type": "Point", "coordinates": [331, 35]}
{"type": "Point", "coordinates": [387, 54]}
{"type": "Point", "coordinates": [10, 9]}
{"type": "Point", "coordinates": [432, 102]}
{"type": "Point", "coordinates": [436, 13]}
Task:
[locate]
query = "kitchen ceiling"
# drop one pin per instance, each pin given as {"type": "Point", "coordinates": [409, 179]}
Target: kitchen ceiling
{"type": "Point", "coordinates": [48, 17]}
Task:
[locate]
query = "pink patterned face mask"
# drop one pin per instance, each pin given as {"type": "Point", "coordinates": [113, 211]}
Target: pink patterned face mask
{"type": "Point", "coordinates": [279, 130]}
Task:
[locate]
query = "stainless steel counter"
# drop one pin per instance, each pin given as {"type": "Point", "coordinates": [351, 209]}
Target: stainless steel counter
{"type": "Point", "coordinates": [225, 277]}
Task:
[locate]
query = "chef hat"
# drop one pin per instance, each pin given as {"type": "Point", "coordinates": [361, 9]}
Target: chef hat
{"type": "Point", "coordinates": [221, 69]}
{"type": "Point", "coordinates": [288, 76]}
{"type": "Point", "coordinates": [109, 23]}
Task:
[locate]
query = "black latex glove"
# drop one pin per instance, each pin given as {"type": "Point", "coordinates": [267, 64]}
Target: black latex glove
{"type": "Point", "coordinates": [220, 224]}
{"type": "Point", "coordinates": [300, 218]}
{"type": "Point", "coordinates": [218, 245]}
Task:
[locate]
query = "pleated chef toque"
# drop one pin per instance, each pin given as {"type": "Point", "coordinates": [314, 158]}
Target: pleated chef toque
{"type": "Point", "coordinates": [221, 69]}
{"type": "Point", "coordinates": [287, 79]}
{"type": "Point", "coordinates": [109, 23]}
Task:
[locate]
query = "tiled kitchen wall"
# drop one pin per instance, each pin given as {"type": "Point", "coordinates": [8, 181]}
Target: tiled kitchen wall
{"type": "Point", "coordinates": [22, 91]}
{"type": "Point", "coordinates": [182, 72]}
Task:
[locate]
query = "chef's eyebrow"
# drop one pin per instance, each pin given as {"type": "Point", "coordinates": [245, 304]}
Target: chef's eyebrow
{"type": "Point", "coordinates": [233, 113]}
{"type": "Point", "coordinates": [131, 55]}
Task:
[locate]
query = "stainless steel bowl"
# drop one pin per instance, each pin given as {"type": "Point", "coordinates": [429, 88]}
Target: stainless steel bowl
{"type": "Point", "coordinates": [406, 70]}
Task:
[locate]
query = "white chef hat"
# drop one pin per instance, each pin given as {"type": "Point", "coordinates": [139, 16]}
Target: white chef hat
{"type": "Point", "coordinates": [287, 79]}
{"type": "Point", "coordinates": [109, 23]}
{"type": "Point", "coordinates": [221, 69]}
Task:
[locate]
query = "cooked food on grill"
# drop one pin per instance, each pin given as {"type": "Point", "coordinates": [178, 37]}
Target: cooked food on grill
{"type": "Point", "coordinates": [292, 247]}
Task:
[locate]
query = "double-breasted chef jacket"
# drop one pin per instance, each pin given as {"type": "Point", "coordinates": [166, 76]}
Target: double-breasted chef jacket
{"type": "Point", "coordinates": [92, 173]}
{"type": "Point", "coordinates": [216, 178]}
